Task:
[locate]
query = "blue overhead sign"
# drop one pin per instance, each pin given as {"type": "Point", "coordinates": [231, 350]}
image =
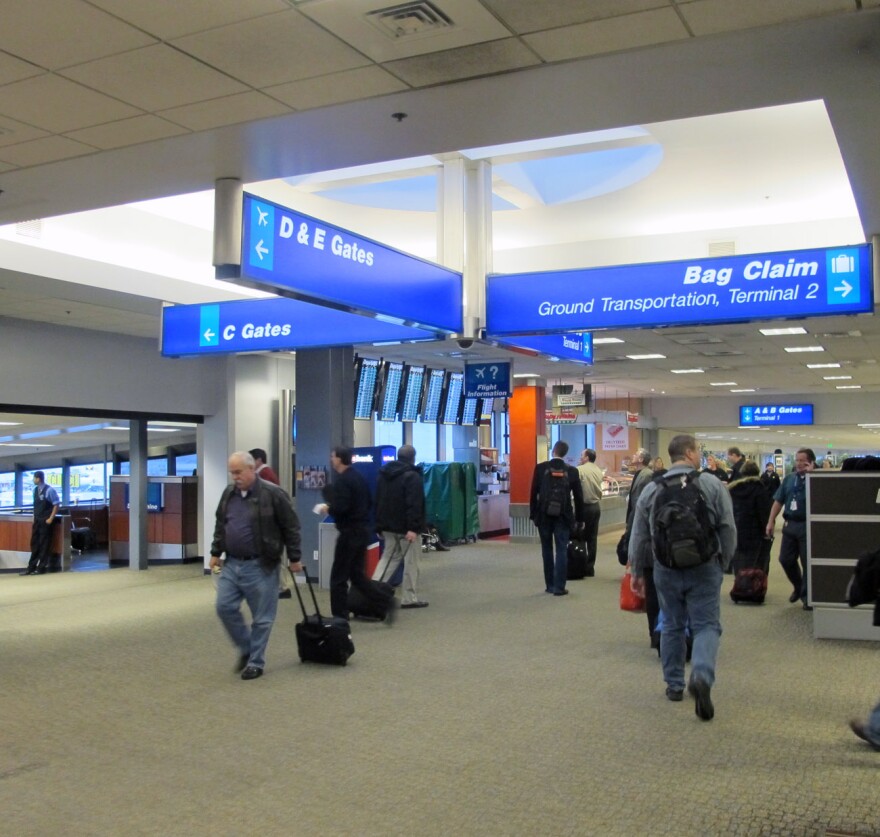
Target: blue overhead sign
{"type": "Point", "coordinates": [300, 256]}
{"type": "Point", "coordinates": [802, 283]}
{"type": "Point", "coordinates": [573, 346]}
{"type": "Point", "coordinates": [764, 415]}
{"type": "Point", "coordinates": [487, 379]}
{"type": "Point", "coordinates": [278, 324]}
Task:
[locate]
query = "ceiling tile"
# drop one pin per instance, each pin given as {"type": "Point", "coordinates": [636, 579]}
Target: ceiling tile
{"type": "Point", "coordinates": [706, 17]}
{"type": "Point", "coordinates": [59, 105]}
{"type": "Point", "coordinates": [619, 33]}
{"type": "Point", "coordinates": [68, 32]}
{"type": "Point", "coordinates": [228, 110]}
{"type": "Point", "coordinates": [12, 132]}
{"type": "Point", "coordinates": [272, 50]}
{"type": "Point", "coordinates": [465, 62]}
{"type": "Point", "coordinates": [168, 19]}
{"type": "Point", "coordinates": [348, 86]}
{"type": "Point", "coordinates": [14, 69]}
{"type": "Point", "coordinates": [154, 78]}
{"type": "Point", "coordinates": [377, 35]}
{"type": "Point", "coordinates": [528, 16]}
{"type": "Point", "coordinates": [127, 132]}
{"type": "Point", "coordinates": [45, 150]}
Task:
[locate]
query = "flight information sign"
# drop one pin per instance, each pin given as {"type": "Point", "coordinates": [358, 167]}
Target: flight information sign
{"type": "Point", "coordinates": [799, 283]}
{"type": "Point", "coordinates": [280, 324]}
{"type": "Point", "coordinates": [300, 256]}
{"type": "Point", "coordinates": [764, 415]}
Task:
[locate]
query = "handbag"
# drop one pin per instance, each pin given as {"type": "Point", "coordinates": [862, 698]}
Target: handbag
{"type": "Point", "coordinates": [623, 549]}
{"type": "Point", "coordinates": [629, 600]}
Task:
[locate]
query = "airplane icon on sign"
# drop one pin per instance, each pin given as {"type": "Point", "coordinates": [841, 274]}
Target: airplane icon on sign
{"type": "Point", "coordinates": [264, 214]}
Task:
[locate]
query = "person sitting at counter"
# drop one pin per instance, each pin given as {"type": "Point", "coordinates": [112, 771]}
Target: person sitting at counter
{"type": "Point", "coordinates": [46, 504]}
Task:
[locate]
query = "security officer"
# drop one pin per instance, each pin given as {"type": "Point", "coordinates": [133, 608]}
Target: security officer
{"type": "Point", "coordinates": [46, 504]}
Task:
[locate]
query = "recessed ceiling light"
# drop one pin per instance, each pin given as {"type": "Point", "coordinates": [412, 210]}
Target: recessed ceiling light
{"type": "Point", "coordinates": [804, 348]}
{"type": "Point", "coordinates": [685, 371]}
{"type": "Point", "coordinates": [742, 390]}
{"type": "Point", "coordinates": [647, 357]}
{"type": "Point", "coordinates": [849, 386]}
{"type": "Point", "coordinates": [598, 341]}
{"type": "Point", "coordinates": [823, 366]}
{"type": "Point", "coordinates": [776, 332]}
{"type": "Point", "coordinates": [837, 377]}
{"type": "Point", "coordinates": [723, 384]}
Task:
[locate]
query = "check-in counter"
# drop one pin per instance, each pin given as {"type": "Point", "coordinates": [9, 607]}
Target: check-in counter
{"type": "Point", "coordinates": [15, 542]}
{"type": "Point", "coordinates": [494, 513]}
{"type": "Point", "coordinates": [172, 520]}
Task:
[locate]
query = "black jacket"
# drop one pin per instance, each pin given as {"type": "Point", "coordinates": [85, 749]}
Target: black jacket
{"type": "Point", "coordinates": [400, 498]}
{"type": "Point", "coordinates": [348, 498]}
{"type": "Point", "coordinates": [574, 484]}
{"type": "Point", "coordinates": [770, 480]}
{"type": "Point", "coordinates": [751, 511]}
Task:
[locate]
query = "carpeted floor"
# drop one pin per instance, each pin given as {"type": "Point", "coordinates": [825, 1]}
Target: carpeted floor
{"type": "Point", "coordinates": [498, 710]}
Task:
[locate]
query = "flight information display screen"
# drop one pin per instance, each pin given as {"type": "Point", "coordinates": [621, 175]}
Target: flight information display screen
{"type": "Point", "coordinates": [366, 375]}
{"type": "Point", "coordinates": [391, 390]}
{"type": "Point", "coordinates": [454, 391]}
{"type": "Point", "coordinates": [469, 411]}
{"type": "Point", "coordinates": [433, 394]}
{"type": "Point", "coordinates": [486, 410]}
{"type": "Point", "coordinates": [412, 395]}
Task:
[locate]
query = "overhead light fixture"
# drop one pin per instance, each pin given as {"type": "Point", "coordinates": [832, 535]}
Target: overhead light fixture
{"type": "Point", "coordinates": [777, 332]}
{"type": "Point", "coordinates": [647, 357]}
{"type": "Point", "coordinates": [872, 424]}
{"type": "Point", "coordinates": [823, 366]}
{"type": "Point", "coordinates": [723, 384]}
{"type": "Point", "coordinates": [526, 375]}
{"type": "Point", "coordinates": [849, 386]}
{"type": "Point", "coordinates": [162, 430]}
{"type": "Point", "coordinates": [805, 348]}
{"type": "Point", "coordinates": [598, 341]}
{"type": "Point", "coordinates": [10, 423]}
{"type": "Point", "coordinates": [686, 371]}
{"type": "Point", "coordinates": [837, 377]}
{"type": "Point", "coordinates": [743, 390]}
{"type": "Point", "coordinates": [23, 445]}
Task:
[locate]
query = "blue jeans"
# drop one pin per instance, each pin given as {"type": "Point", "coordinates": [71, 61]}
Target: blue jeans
{"type": "Point", "coordinates": [555, 532]}
{"type": "Point", "coordinates": [249, 581]}
{"type": "Point", "coordinates": [689, 597]}
{"type": "Point", "coordinates": [873, 728]}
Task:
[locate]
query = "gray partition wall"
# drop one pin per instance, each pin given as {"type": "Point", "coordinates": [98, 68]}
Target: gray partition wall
{"type": "Point", "coordinates": [843, 522]}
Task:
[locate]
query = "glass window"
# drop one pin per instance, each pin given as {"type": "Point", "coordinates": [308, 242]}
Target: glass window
{"type": "Point", "coordinates": [157, 467]}
{"type": "Point", "coordinates": [87, 483]}
{"type": "Point", "coordinates": [7, 489]}
{"type": "Point", "coordinates": [53, 478]}
{"type": "Point", "coordinates": [425, 441]}
{"type": "Point", "coordinates": [388, 433]}
{"type": "Point", "coordinates": [185, 465]}
{"type": "Point", "coordinates": [124, 468]}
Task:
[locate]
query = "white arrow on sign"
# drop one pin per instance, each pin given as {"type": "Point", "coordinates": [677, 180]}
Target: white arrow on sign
{"type": "Point", "coordinates": [844, 288]}
{"type": "Point", "coordinates": [261, 250]}
{"type": "Point", "coordinates": [209, 336]}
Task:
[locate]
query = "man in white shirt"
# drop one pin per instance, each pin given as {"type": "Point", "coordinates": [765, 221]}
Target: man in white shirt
{"type": "Point", "coordinates": [591, 477]}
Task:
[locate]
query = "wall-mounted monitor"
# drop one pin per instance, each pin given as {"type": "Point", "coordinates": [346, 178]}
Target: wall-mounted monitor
{"type": "Point", "coordinates": [413, 391]}
{"type": "Point", "coordinates": [470, 411]}
{"type": "Point", "coordinates": [775, 414]}
{"type": "Point", "coordinates": [452, 401]}
{"type": "Point", "coordinates": [433, 394]}
{"type": "Point", "coordinates": [486, 410]}
{"type": "Point", "coordinates": [389, 396]}
{"type": "Point", "coordinates": [366, 376]}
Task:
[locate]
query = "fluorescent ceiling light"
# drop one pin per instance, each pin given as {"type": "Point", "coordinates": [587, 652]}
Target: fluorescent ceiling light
{"type": "Point", "coordinates": [723, 384]}
{"type": "Point", "coordinates": [526, 375]}
{"type": "Point", "coordinates": [685, 371]}
{"type": "Point", "coordinates": [849, 386]}
{"type": "Point", "coordinates": [804, 348]}
{"type": "Point", "coordinates": [837, 377]}
{"type": "Point", "coordinates": [162, 430]}
{"type": "Point", "coordinates": [24, 445]}
{"type": "Point", "coordinates": [823, 366]}
{"type": "Point", "coordinates": [10, 423]}
{"type": "Point", "coordinates": [777, 332]}
{"type": "Point", "coordinates": [647, 357]}
{"type": "Point", "coordinates": [742, 390]}
{"type": "Point", "coordinates": [598, 341]}
{"type": "Point", "coordinates": [870, 425]}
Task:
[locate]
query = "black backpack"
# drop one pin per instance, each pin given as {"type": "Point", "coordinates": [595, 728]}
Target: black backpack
{"type": "Point", "coordinates": [681, 527]}
{"type": "Point", "coordinates": [554, 491]}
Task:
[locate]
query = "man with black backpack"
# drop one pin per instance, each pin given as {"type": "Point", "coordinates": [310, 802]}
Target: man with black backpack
{"type": "Point", "coordinates": [554, 484]}
{"type": "Point", "coordinates": [687, 524]}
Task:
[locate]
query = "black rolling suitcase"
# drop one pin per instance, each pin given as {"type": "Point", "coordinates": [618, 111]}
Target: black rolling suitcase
{"type": "Point", "coordinates": [577, 559]}
{"type": "Point", "coordinates": [750, 582]}
{"type": "Point", "coordinates": [376, 610]}
{"type": "Point", "coordinates": [322, 639]}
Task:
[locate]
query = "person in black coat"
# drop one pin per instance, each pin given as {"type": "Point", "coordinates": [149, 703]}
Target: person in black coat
{"type": "Point", "coordinates": [714, 467]}
{"type": "Point", "coordinates": [751, 511]}
{"type": "Point", "coordinates": [770, 479]}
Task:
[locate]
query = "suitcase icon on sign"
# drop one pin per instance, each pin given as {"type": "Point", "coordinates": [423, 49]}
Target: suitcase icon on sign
{"type": "Point", "coordinates": [842, 263]}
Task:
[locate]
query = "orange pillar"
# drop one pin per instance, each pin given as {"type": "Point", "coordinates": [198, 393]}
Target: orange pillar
{"type": "Point", "coordinates": [527, 422]}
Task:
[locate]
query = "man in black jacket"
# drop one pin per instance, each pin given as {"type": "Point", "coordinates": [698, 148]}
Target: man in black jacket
{"type": "Point", "coordinates": [255, 523]}
{"type": "Point", "coordinates": [348, 502]}
{"type": "Point", "coordinates": [400, 516]}
{"type": "Point", "coordinates": [555, 518]}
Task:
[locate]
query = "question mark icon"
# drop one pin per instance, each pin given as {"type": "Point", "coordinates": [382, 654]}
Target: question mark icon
{"type": "Point", "coordinates": [494, 371]}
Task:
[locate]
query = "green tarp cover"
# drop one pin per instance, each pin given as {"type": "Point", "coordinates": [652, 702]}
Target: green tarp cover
{"type": "Point", "coordinates": [451, 499]}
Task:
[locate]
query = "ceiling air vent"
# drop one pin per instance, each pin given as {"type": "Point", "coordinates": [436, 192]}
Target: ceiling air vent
{"type": "Point", "coordinates": [722, 248]}
{"type": "Point", "coordinates": [408, 20]}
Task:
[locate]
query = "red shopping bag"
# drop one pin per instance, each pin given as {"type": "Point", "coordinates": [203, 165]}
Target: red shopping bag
{"type": "Point", "coordinates": [628, 599]}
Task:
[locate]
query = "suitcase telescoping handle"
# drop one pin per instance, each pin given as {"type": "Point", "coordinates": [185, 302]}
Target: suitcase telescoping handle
{"type": "Point", "coordinates": [302, 604]}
